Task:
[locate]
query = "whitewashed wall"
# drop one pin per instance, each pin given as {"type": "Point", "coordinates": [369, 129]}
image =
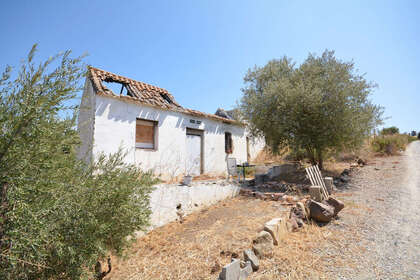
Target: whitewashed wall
{"type": "Point", "coordinates": [106, 123]}
{"type": "Point", "coordinates": [115, 126]}
{"type": "Point", "coordinates": [165, 199]}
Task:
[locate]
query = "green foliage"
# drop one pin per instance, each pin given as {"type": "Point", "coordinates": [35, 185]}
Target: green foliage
{"type": "Point", "coordinates": [322, 104]}
{"type": "Point", "coordinates": [390, 130]}
{"type": "Point", "coordinates": [391, 144]}
{"type": "Point", "coordinates": [58, 215]}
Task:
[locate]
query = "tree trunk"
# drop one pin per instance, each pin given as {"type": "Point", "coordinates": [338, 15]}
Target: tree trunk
{"type": "Point", "coordinates": [311, 155]}
{"type": "Point", "coordinates": [320, 159]}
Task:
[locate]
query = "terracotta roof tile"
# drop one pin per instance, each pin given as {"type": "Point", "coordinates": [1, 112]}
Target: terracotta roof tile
{"type": "Point", "coordinates": [143, 93]}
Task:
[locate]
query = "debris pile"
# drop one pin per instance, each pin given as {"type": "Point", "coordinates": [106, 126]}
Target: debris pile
{"type": "Point", "coordinates": [319, 206]}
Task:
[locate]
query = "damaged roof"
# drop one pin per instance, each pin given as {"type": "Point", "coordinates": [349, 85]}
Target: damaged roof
{"type": "Point", "coordinates": [143, 93]}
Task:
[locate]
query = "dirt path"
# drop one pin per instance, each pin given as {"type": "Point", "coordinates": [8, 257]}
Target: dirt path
{"type": "Point", "coordinates": [387, 195]}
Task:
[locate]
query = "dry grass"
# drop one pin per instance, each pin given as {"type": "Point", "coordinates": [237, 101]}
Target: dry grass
{"type": "Point", "coordinates": [265, 156]}
{"type": "Point", "coordinates": [205, 242]}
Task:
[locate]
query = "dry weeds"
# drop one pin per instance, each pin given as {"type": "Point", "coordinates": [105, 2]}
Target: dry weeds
{"type": "Point", "coordinates": [206, 241]}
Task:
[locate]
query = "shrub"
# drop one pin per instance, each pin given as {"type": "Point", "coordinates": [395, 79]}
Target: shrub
{"type": "Point", "coordinates": [390, 130]}
{"type": "Point", "coordinates": [58, 215]}
{"type": "Point", "coordinates": [391, 144]}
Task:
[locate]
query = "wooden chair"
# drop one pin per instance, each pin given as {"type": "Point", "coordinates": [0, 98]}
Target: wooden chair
{"type": "Point", "coordinates": [233, 169]}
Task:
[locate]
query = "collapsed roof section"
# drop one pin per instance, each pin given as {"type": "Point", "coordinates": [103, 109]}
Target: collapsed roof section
{"type": "Point", "coordinates": [139, 92]}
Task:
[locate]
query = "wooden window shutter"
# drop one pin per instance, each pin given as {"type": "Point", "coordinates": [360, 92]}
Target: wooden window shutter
{"type": "Point", "coordinates": [145, 134]}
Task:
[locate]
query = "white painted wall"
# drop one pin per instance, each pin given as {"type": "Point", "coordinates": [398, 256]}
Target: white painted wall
{"type": "Point", "coordinates": [165, 198]}
{"type": "Point", "coordinates": [115, 126]}
{"type": "Point", "coordinates": [86, 122]}
{"type": "Point", "coordinates": [106, 124]}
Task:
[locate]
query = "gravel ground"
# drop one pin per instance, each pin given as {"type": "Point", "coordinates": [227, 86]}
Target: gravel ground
{"type": "Point", "coordinates": [382, 221]}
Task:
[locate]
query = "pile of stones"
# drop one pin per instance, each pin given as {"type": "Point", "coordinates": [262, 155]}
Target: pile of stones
{"type": "Point", "coordinates": [316, 208]}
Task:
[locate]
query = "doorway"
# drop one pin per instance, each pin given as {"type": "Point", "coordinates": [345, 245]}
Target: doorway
{"type": "Point", "coordinates": [194, 158]}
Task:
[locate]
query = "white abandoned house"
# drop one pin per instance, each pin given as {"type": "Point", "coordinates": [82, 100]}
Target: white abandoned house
{"type": "Point", "coordinates": [157, 132]}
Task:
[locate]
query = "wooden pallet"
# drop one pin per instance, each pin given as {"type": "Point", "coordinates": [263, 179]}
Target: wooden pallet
{"type": "Point", "coordinates": [316, 179]}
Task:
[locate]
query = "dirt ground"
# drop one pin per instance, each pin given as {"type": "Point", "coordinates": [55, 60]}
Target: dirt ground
{"type": "Point", "coordinates": [200, 246]}
{"type": "Point", "coordinates": [374, 237]}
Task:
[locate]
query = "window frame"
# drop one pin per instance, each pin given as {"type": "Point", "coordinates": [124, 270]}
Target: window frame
{"type": "Point", "coordinates": [139, 145]}
{"type": "Point", "coordinates": [228, 142]}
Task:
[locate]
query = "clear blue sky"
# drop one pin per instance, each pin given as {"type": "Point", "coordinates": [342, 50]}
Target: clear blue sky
{"type": "Point", "coordinates": [200, 50]}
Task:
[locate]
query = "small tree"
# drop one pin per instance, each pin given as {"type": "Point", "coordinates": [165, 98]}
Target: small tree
{"type": "Point", "coordinates": [59, 216]}
{"type": "Point", "coordinates": [322, 104]}
{"type": "Point", "coordinates": [390, 130]}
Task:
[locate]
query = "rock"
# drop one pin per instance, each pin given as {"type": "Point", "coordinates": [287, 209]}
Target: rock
{"type": "Point", "coordinates": [273, 227]}
{"type": "Point", "coordinates": [361, 162]}
{"type": "Point", "coordinates": [231, 271]}
{"type": "Point", "coordinates": [344, 179]}
{"type": "Point", "coordinates": [292, 224]}
{"type": "Point", "coordinates": [329, 184]}
{"type": "Point", "coordinates": [246, 271]}
{"type": "Point", "coordinates": [320, 212]}
{"type": "Point", "coordinates": [299, 210]}
{"type": "Point", "coordinates": [261, 196]}
{"type": "Point", "coordinates": [289, 198]}
{"type": "Point", "coordinates": [345, 172]}
{"type": "Point", "coordinates": [246, 192]}
{"type": "Point", "coordinates": [252, 258]}
{"type": "Point", "coordinates": [215, 267]}
{"type": "Point", "coordinates": [336, 204]}
{"type": "Point", "coordinates": [260, 179]}
{"type": "Point", "coordinates": [263, 244]}
{"type": "Point", "coordinates": [315, 193]}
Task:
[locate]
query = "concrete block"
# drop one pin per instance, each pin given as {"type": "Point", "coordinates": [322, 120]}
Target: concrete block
{"type": "Point", "coordinates": [246, 271]}
{"type": "Point", "coordinates": [252, 258]}
{"type": "Point", "coordinates": [328, 181]}
{"type": "Point", "coordinates": [273, 227]}
{"type": "Point", "coordinates": [315, 193]}
{"type": "Point", "coordinates": [231, 271]}
{"type": "Point", "coordinates": [262, 245]}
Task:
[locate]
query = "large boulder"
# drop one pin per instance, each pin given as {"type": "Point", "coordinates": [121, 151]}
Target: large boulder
{"type": "Point", "coordinates": [335, 203]}
{"type": "Point", "coordinates": [320, 212]}
{"type": "Point", "coordinates": [263, 244]}
{"type": "Point", "coordinates": [274, 228]}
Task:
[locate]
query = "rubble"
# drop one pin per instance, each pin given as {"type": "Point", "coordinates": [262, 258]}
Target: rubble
{"type": "Point", "coordinates": [292, 224]}
{"type": "Point", "coordinates": [320, 212]}
{"type": "Point", "coordinates": [263, 244]}
{"type": "Point", "coordinates": [274, 228]}
{"type": "Point", "coordinates": [336, 204]}
{"type": "Point", "coordinates": [231, 271]}
{"type": "Point", "coordinates": [252, 258]}
{"type": "Point", "coordinates": [315, 193]}
{"type": "Point", "coordinates": [246, 271]}
{"type": "Point", "coordinates": [329, 184]}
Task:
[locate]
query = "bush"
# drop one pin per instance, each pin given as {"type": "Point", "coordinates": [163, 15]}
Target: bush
{"type": "Point", "coordinates": [391, 144]}
{"type": "Point", "coordinates": [59, 215]}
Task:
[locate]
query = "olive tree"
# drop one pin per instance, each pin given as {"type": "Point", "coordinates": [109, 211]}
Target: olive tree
{"type": "Point", "coordinates": [390, 130]}
{"type": "Point", "coordinates": [58, 215]}
{"type": "Point", "coordinates": [319, 105]}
